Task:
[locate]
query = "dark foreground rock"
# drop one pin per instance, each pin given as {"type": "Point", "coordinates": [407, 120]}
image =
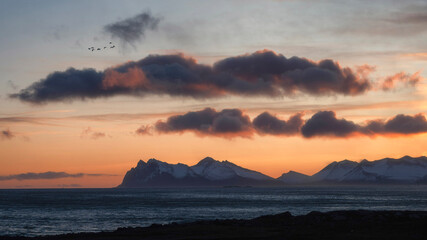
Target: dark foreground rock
{"type": "Point", "coordinates": [358, 224]}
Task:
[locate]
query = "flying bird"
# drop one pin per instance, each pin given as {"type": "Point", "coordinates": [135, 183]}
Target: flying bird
{"type": "Point", "coordinates": [101, 48]}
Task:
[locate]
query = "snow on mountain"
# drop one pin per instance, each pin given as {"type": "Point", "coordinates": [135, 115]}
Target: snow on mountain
{"type": "Point", "coordinates": [158, 173]}
{"type": "Point", "coordinates": [246, 173]}
{"type": "Point", "coordinates": [216, 170]}
{"type": "Point", "coordinates": [176, 170]}
{"type": "Point", "coordinates": [405, 169]}
{"type": "Point", "coordinates": [292, 177]}
{"type": "Point", "coordinates": [213, 170]}
{"type": "Point", "coordinates": [208, 172]}
{"type": "Point", "coordinates": [335, 171]}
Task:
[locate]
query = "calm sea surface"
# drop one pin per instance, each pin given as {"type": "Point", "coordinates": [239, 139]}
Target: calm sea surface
{"type": "Point", "coordinates": [55, 211]}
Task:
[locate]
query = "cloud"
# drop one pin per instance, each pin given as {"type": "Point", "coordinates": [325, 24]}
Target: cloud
{"type": "Point", "coordinates": [230, 123]}
{"type": "Point", "coordinates": [326, 124]}
{"type": "Point", "coordinates": [132, 30]}
{"type": "Point", "coordinates": [400, 124]}
{"type": "Point", "coordinates": [265, 123]}
{"type": "Point", "coordinates": [6, 134]}
{"type": "Point", "coordinates": [49, 175]}
{"type": "Point", "coordinates": [402, 77]}
{"type": "Point", "coordinates": [88, 132]}
{"type": "Point", "coordinates": [271, 73]}
{"type": "Point", "coordinates": [64, 86]}
{"type": "Point", "coordinates": [227, 123]}
{"type": "Point", "coordinates": [263, 73]}
{"type": "Point", "coordinates": [144, 130]}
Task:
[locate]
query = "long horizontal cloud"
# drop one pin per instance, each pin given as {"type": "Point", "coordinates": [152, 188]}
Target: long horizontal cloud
{"type": "Point", "coordinates": [50, 175]}
{"type": "Point", "coordinates": [234, 123]}
{"type": "Point", "coordinates": [263, 73]}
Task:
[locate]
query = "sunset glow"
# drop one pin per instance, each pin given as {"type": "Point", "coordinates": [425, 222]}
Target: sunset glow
{"type": "Point", "coordinates": [271, 87]}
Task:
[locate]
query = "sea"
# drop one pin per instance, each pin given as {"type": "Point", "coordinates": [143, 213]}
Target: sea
{"type": "Point", "coordinates": [35, 212]}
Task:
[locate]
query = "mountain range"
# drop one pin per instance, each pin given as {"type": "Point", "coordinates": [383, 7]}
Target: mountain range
{"type": "Point", "coordinates": [210, 172]}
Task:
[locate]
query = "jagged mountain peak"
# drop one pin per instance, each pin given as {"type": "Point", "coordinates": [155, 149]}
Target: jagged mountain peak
{"type": "Point", "coordinates": [141, 163]}
{"type": "Point", "coordinates": [346, 161]}
{"type": "Point", "coordinates": [153, 160]}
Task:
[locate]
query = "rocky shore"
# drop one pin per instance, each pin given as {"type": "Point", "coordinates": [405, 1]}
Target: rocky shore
{"type": "Point", "coordinates": [357, 224]}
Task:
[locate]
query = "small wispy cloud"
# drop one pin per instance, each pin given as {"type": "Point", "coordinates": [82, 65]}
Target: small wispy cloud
{"type": "Point", "coordinates": [144, 130]}
{"type": "Point", "coordinates": [406, 79]}
{"type": "Point", "coordinates": [6, 134]}
{"type": "Point", "coordinates": [88, 132]}
{"type": "Point", "coordinates": [132, 30]}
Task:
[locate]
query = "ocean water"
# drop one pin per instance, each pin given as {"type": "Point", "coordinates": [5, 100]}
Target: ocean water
{"type": "Point", "coordinates": [54, 211]}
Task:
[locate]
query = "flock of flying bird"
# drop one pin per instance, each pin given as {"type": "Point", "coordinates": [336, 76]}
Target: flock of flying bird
{"type": "Point", "coordinates": [99, 49]}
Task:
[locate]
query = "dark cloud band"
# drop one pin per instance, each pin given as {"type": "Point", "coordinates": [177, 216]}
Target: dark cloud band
{"type": "Point", "coordinates": [234, 123]}
{"type": "Point", "coordinates": [263, 73]}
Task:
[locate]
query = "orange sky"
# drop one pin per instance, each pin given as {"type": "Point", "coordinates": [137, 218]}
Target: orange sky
{"type": "Point", "coordinates": [61, 145]}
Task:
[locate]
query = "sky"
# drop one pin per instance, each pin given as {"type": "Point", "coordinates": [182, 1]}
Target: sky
{"type": "Point", "coordinates": [272, 86]}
